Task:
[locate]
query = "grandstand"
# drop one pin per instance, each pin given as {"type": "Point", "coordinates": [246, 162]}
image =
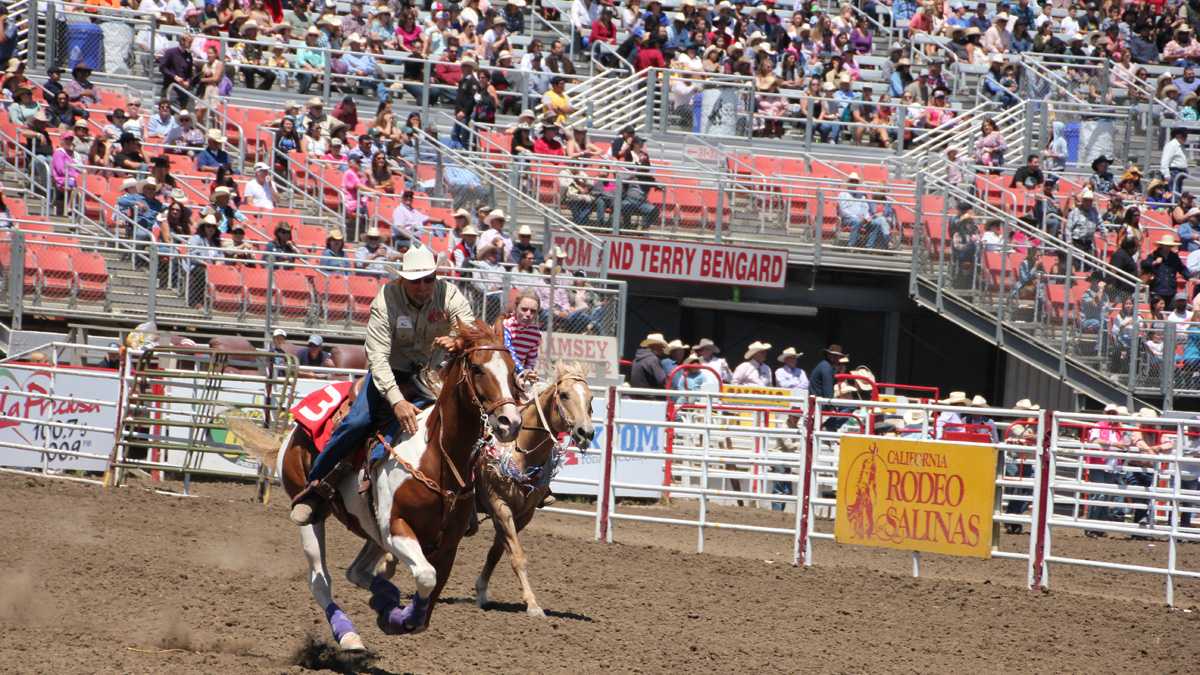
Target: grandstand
{"type": "Point", "coordinates": [744, 146]}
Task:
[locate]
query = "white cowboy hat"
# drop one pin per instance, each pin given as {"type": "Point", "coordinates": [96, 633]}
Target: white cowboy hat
{"type": "Point", "coordinates": [654, 339]}
{"type": "Point", "coordinates": [418, 263]}
{"type": "Point", "coordinates": [707, 343]}
{"type": "Point", "coordinates": [1168, 239]}
{"type": "Point", "coordinates": [1148, 413]}
{"type": "Point", "coordinates": [1026, 404]}
{"type": "Point", "coordinates": [524, 231]}
{"type": "Point", "coordinates": [863, 373]}
{"type": "Point", "coordinates": [495, 214]}
{"type": "Point", "coordinates": [677, 344]}
{"type": "Point", "coordinates": [843, 389]}
{"type": "Point", "coordinates": [469, 231]}
{"type": "Point", "coordinates": [790, 351]}
{"type": "Point", "coordinates": [1087, 194]}
{"type": "Point", "coordinates": [914, 417]}
{"type": "Point", "coordinates": [374, 233]}
{"type": "Point", "coordinates": [956, 398]}
{"type": "Point", "coordinates": [756, 347]}
{"type": "Point", "coordinates": [853, 177]}
{"type": "Point", "coordinates": [979, 401]}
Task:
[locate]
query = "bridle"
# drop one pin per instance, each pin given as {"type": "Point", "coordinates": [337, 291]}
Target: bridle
{"type": "Point", "coordinates": [558, 407]}
{"type": "Point", "coordinates": [484, 410]}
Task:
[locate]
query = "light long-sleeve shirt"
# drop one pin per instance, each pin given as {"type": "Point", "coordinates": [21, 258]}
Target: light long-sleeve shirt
{"type": "Point", "coordinates": [792, 378]}
{"type": "Point", "coordinates": [400, 333]}
{"type": "Point", "coordinates": [752, 373]}
{"type": "Point", "coordinates": [1173, 157]}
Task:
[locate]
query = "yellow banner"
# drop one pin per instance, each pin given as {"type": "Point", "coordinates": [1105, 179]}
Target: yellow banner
{"type": "Point", "coordinates": [753, 392]}
{"type": "Point", "coordinates": [916, 495]}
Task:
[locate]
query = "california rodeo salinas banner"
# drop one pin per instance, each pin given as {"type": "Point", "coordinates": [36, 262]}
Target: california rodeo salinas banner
{"type": "Point", "coordinates": [916, 495]}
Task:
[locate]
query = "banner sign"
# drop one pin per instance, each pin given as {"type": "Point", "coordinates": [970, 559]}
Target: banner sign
{"type": "Point", "coordinates": [678, 260]}
{"type": "Point", "coordinates": [596, 353]}
{"type": "Point", "coordinates": [916, 495]}
{"type": "Point", "coordinates": [628, 438]}
{"type": "Point", "coordinates": [754, 395]}
{"type": "Point", "coordinates": [20, 413]}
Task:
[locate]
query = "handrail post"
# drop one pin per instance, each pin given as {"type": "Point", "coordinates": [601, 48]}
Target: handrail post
{"type": "Point", "coordinates": [31, 51]}
{"type": "Point", "coordinates": [664, 102]}
{"type": "Point", "coordinates": [616, 205]}
{"type": "Point", "coordinates": [718, 225]}
{"type": "Point", "coordinates": [648, 122]}
{"type": "Point", "coordinates": [267, 326]}
{"type": "Point", "coordinates": [426, 81]}
{"type": "Point", "coordinates": [16, 278]}
{"type": "Point", "coordinates": [51, 32]}
{"type": "Point", "coordinates": [326, 85]}
{"type": "Point", "coordinates": [152, 282]}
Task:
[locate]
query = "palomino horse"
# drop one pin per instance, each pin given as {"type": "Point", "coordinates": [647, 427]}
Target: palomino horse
{"type": "Point", "coordinates": [512, 480]}
{"type": "Point", "coordinates": [419, 503]}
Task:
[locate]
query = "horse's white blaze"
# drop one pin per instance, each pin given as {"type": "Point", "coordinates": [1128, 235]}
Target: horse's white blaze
{"type": "Point", "coordinates": [495, 366]}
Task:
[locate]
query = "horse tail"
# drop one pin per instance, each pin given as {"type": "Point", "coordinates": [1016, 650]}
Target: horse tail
{"type": "Point", "coordinates": [262, 444]}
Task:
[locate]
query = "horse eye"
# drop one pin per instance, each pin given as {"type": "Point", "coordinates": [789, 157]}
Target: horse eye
{"type": "Point", "coordinates": [562, 395]}
{"type": "Point", "coordinates": [475, 369]}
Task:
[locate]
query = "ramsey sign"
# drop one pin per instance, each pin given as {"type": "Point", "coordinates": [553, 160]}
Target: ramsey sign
{"type": "Point", "coordinates": [679, 261]}
{"type": "Point", "coordinates": [916, 495]}
{"type": "Point", "coordinates": [597, 354]}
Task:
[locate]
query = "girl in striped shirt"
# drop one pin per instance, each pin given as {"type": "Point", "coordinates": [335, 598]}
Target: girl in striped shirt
{"type": "Point", "coordinates": [523, 335]}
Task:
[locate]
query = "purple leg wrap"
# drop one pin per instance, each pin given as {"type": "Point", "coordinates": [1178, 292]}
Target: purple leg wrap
{"type": "Point", "coordinates": [338, 621]}
{"type": "Point", "coordinates": [409, 618]}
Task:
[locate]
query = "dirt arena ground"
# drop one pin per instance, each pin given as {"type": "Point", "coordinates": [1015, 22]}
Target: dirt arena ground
{"type": "Point", "coordinates": [127, 581]}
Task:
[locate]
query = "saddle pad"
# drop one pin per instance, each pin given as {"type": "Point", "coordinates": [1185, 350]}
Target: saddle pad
{"type": "Point", "coordinates": [315, 410]}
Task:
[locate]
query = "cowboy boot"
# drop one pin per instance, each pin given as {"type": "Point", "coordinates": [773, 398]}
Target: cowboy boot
{"type": "Point", "coordinates": [306, 506]}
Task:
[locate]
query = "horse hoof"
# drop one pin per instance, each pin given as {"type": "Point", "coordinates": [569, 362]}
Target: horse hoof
{"type": "Point", "coordinates": [351, 642]}
{"type": "Point", "coordinates": [536, 611]}
{"type": "Point", "coordinates": [481, 599]}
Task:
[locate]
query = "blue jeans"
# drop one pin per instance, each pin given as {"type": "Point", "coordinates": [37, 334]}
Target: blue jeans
{"type": "Point", "coordinates": [829, 130]}
{"type": "Point", "coordinates": [1105, 512]}
{"type": "Point", "coordinates": [878, 229]}
{"type": "Point", "coordinates": [779, 487]}
{"type": "Point", "coordinates": [370, 411]}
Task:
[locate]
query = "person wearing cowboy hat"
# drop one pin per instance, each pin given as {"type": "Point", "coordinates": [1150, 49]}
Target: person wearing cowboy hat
{"type": "Point", "coordinates": [1083, 221]}
{"type": "Point", "coordinates": [1022, 431]}
{"type": "Point", "coordinates": [1147, 439]}
{"type": "Point", "coordinates": [647, 371]}
{"type": "Point", "coordinates": [375, 255]}
{"type": "Point", "coordinates": [495, 236]}
{"type": "Point", "coordinates": [1109, 436]}
{"type": "Point", "coordinates": [821, 379]}
{"type": "Point", "coordinates": [1174, 161]}
{"type": "Point", "coordinates": [754, 370]}
{"type": "Point", "coordinates": [524, 244]}
{"type": "Point", "coordinates": [80, 88]}
{"type": "Point", "coordinates": [1164, 266]}
{"type": "Point", "coordinates": [334, 256]}
{"type": "Point", "coordinates": [791, 376]}
{"type": "Point", "coordinates": [676, 352]}
{"type": "Point", "coordinates": [951, 418]}
{"type": "Point", "coordinates": [214, 155]}
{"type": "Point", "coordinates": [413, 320]}
{"type": "Point", "coordinates": [1102, 181]}
{"type": "Point", "coordinates": [708, 352]}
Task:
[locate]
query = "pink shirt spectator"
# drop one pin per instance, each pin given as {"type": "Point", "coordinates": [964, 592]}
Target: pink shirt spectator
{"type": "Point", "coordinates": [62, 169]}
{"type": "Point", "coordinates": [350, 183]}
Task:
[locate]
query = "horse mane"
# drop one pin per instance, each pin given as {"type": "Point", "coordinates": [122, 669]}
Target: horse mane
{"type": "Point", "coordinates": [475, 334]}
{"type": "Point", "coordinates": [569, 369]}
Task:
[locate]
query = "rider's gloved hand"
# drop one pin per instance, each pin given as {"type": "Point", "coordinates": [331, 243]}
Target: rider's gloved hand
{"type": "Point", "coordinates": [406, 413]}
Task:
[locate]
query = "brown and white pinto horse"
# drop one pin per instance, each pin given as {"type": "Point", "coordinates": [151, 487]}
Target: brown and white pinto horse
{"type": "Point", "coordinates": [420, 498]}
{"type": "Point", "coordinates": [512, 482]}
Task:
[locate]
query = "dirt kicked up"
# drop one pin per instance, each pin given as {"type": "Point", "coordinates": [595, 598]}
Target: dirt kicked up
{"type": "Point", "coordinates": [128, 581]}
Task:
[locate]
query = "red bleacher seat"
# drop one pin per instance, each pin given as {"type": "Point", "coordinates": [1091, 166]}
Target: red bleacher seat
{"type": "Point", "coordinates": [363, 289]}
{"type": "Point", "coordinates": [226, 291]}
{"type": "Point", "coordinates": [91, 276]}
{"type": "Point", "coordinates": [255, 280]}
{"type": "Point", "coordinates": [336, 299]}
{"type": "Point", "coordinates": [293, 293]}
{"type": "Point", "coordinates": [57, 270]}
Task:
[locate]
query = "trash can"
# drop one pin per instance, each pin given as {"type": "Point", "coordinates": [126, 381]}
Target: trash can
{"type": "Point", "coordinates": [85, 44]}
